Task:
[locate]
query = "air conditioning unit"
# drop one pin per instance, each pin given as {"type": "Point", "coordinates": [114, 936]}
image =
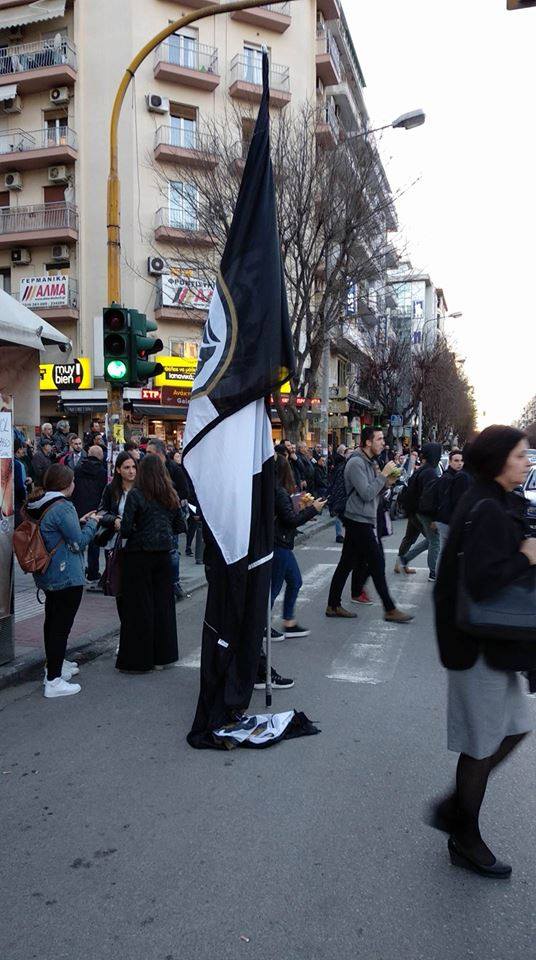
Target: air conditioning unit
{"type": "Point", "coordinates": [60, 251]}
{"type": "Point", "coordinates": [13, 181]}
{"type": "Point", "coordinates": [156, 103]}
{"type": "Point", "coordinates": [156, 266]}
{"type": "Point", "coordinates": [57, 174]}
{"type": "Point", "coordinates": [15, 34]}
{"type": "Point", "coordinates": [13, 105]}
{"type": "Point", "coordinates": [59, 95]}
{"type": "Point", "coordinates": [20, 256]}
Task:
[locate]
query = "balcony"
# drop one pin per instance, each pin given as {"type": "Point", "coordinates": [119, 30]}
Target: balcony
{"type": "Point", "coordinates": [29, 150]}
{"type": "Point", "coordinates": [330, 8]}
{"type": "Point", "coordinates": [274, 16]}
{"type": "Point", "coordinates": [327, 126]}
{"type": "Point", "coordinates": [39, 65]}
{"type": "Point", "coordinates": [246, 81]}
{"type": "Point", "coordinates": [366, 311]}
{"type": "Point", "coordinates": [391, 257]}
{"type": "Point", "coordinates": [67, 311]}
{"type": "Point", "coordinates": [186, 148]}
{"type": "Point", "coordinates": [328, 58]}
{"type": "Point", "coordinates": [190, 63]}
{"type": "Point", "coordinates": [37, 225]}
{"type": "Point", "coordinates": [179, 227]}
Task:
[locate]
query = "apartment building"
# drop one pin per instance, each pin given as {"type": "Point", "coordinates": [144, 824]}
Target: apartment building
{"type": "Point", "coordinates": [418, 308]}
{"type": "Point", "coordinates": [60, 64]}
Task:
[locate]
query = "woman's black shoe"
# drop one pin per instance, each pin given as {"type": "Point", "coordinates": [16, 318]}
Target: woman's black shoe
{"type": "Point", "coordinates": [462, 858]}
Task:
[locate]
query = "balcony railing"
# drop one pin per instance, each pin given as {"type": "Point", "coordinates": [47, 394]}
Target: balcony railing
{"type": "Point", "coordinates": [325, 43]}
{"type": "Point", "coordinates": [246, 70]}
{"type": "Point", "coordinates": [36, 55]}
{"type": "Point", "coordinates": [46, 216]}
{"type": "Point", "coordinates": [183, 52]}
{"type": "Point", "coordinates": [184, 139]}
{"type": "Point", "coordinates": [22, 141]}
{"type": "Point", "coordinates": [326, 114]}
{"type": "Point", "coordinates": [177, 218]}
{"type": "Point", "coordinates": [72, 297]}
{"type": "Point", "coordinates": [283, 8]}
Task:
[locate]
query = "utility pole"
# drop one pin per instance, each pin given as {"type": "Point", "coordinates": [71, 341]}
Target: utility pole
{"type": "Point", "coordinates": [324, 407]}
{"type": "Point", "coordinates": [115, 391]}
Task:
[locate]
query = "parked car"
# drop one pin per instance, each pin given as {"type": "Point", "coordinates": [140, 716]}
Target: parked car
{"type": "Point", "coordinates": [532, 456]}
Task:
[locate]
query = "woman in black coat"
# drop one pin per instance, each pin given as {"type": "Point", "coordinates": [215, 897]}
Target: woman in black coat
{"type": "Point", "coordinates": [112, 507]}
{"type": "Point", "coordinates": [488, 712]}
{"type": "Point", "coordinates": [151, 518]}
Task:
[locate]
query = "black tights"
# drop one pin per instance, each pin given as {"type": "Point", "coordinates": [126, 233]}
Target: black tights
{"type": "Point", "coordinates": [471, 782]}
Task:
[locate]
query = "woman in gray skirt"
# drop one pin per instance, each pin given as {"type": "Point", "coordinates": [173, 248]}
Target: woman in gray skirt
{"type": "Point", "coordinates": [489, 712]}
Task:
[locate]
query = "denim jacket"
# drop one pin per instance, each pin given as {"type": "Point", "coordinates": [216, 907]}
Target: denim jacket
{"type": "Point", "coordinates": [61, 523]}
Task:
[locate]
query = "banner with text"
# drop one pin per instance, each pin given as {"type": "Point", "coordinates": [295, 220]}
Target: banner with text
{"type": "Point", "coordinates": [44, 292]}
{"type": "Point", "coordinates": [183, 292]}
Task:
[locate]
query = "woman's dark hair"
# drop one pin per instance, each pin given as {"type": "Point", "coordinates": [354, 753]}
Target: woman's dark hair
{"type": "Point", "coordinates": [116, 485]}
{"type": "Point", "coordinates": [57, 477]}
{"type": "Point", "coordinates": [154, 482]}
{"type": "Point", "coordinates": [488, 453]}
{"type": "Point", "coordinates": [283, 474]}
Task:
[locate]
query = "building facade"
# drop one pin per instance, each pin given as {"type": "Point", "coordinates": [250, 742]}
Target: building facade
{"type": "Point", "coordinates": [60, 64]}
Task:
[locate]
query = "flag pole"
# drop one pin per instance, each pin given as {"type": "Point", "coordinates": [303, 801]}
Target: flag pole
{"type": "Point", "coordinates": [269, 649]}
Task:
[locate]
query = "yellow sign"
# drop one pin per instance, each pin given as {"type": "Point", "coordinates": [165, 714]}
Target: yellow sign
{"type": "Point", "coordinates": [178, 372]}
{"type": "Point", "coordinates": [119, 433]}
{"type": "Point", "coordinates": [75, 375]}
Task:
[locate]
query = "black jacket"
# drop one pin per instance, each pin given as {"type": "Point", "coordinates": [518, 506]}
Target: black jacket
{"type": "Point", "coordinates": [178, 479]}
{"type": "Point", "coordinates": [287, 520]}
{"type": "Point", "coordinates": [89, 481]}
{"type": "Point", "coordinates": [149, 526]}
{"type": "Point", "coordinates": [492, 560]}
{"type": "Point", "coordinates": [453, 485]}
{"type": "Point", "coordinates": [60, 442]}
{"type": "Point", "coordinates": [307, 470]}
{"type": "Point", "coordinates": [321, 481]}
{"type": "Point", "coordinates": [40, 465]}
{"type": "Point", "coordinates": [109, 508]}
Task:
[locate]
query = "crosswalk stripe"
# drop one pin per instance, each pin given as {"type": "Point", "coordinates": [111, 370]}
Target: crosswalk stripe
{"type": "Point", "coordinates": [373, 661]}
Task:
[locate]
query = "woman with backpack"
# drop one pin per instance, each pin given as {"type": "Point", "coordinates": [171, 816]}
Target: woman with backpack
{"type": "Point", "coordinates": [152, 517]}
{"type": "Point", "coordinates": [64, 537]}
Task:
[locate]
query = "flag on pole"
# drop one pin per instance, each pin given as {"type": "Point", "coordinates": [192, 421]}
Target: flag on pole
{"type": "Point", "coordinates": [246, 354]}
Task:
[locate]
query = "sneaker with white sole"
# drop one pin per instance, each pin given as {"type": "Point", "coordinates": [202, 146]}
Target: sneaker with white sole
{"type": "Point", "coordinates": [278, 683]}
{"type": "Point", "coordinates": [275, 635]}
{"type": "Point", "coordinates": [68, 670]}
{"type": "Point", "coordinates": [60, 688]}
{"type": "Point", "coordinates": [71, 665]}
{"type": "Point", "coordinates": [296, 631]}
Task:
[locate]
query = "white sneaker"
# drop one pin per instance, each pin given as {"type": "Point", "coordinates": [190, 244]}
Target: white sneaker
{"type": "Point", "coordinates": [67, 671]}
{"type": "Point", "coordinates": [71, 665]}
{"type": "Point", "coordinates": [60, 688]}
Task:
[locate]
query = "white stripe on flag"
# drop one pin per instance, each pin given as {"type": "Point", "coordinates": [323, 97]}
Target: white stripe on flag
{"type": "Point", "coordinates": [259, 563]}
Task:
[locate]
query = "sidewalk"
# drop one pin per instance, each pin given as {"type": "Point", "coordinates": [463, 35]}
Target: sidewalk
{"type": "Point", "coordinates": [96, 622]}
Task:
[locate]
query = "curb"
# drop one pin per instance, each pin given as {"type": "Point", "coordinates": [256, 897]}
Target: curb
{"type": "Point", "coordinates": [30, 666]}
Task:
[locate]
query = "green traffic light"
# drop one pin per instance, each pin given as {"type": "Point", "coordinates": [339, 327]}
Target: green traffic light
{"type": "Point", "coordinates": [116, 369]}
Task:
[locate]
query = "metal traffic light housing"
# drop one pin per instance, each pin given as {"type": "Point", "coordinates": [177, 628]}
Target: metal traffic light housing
{"type": "Point", "coordinates": [116, 344]}
{"type": "Point", "coordinates": [142, 347]}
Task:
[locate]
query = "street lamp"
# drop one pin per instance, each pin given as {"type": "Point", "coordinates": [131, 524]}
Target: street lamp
{"type": "Point", "coordinates": [406, 121]}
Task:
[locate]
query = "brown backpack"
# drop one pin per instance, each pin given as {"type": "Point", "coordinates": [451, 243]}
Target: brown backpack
{"type": "Point", "coordinates": [29, 546]}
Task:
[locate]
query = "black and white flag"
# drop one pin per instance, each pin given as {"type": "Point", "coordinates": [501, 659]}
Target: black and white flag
{"type": "Point", "coordinates": [245, 355]}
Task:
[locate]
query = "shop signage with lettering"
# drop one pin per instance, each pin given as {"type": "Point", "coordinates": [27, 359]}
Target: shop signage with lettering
{"type": "Point", "coordinates": [176, 396]}
{"type": "Point", "coordinates": [44, 292]}
{"type": "Point", "coordinates": [75, 375]}
{"type": "Point", "coordinates": [183, 292]}
{"type": "Point", "coordinates": [151, 396]}
{"type": "Point", "coordinates": [178, 372]}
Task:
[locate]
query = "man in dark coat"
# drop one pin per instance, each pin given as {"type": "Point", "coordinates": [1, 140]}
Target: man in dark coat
{"type": "Point", "coordinates": [61, 437]}
{"type": "Point", "coordinates": [42, 460]}
{"type": "Point", "coordinates": [89, 482]}
{"type": "Point", "coordinates": [306, 464]}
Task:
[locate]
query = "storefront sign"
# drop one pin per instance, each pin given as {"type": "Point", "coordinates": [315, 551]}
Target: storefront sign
{"type": "Point", "coordinates": [44, 292]}
{"type": "Point", "coordinates": [57, 376]}
{"type": "Point", "coordinates": [151, 396]}
{"type": "Point", "coordinates": [178, 372]}
{"type": "Point", "coordinates": [183, 292]}
{"type": "Point", "coordinates": [176, 396]}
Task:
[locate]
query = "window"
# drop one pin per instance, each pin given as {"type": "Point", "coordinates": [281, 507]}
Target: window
{"type": "Point", "coordinates": [183, 202]}
{"type": "Point", "coordinates": [184, 49]}
{"type": "Point", "coordinates": [5, 279]}
{"type": "Point", "coordinates": [183, 123]}
{"type": "Point", "coordinates": [58, 269]}
{"type": "Point", "coordinates": [252, 64]}
{"type": "Point", "coordinates": [342, 372]}
{"type": "Point", "coordinates": [4, 198]}
{"type": "Point", "coordinates": [54, 194]}
{"type": "Point", "coordinates": [184, 348]}
{"type": "Point", "coordinates": [56, 128]}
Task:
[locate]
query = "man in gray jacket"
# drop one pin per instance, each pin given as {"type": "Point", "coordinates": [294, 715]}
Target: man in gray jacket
{"type": "Point", "coordinates": [364, 482]}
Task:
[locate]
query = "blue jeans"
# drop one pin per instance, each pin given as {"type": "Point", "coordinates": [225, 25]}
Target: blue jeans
{"type": "Point", "coordinates": [285, 569]}
{"type": "Point", "coordinates": [339, 529]}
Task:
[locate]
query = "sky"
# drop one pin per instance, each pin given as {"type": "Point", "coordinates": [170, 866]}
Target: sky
{"type": "Point", "coordinates": [469, 220]}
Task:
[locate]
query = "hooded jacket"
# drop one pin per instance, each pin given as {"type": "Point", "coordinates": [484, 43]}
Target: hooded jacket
{"type": "Point", "coordinates": [89, 482]}
{"type": "Point", "coordinates": [428, 472]}
{"type": "Point", "coordinates": [60, 528]}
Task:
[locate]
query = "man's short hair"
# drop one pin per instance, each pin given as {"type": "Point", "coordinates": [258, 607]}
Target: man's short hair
{"type": "Point", "coordinates": [367, 433]}
{"type": "Point", "coordinates": [46, 442]}
{"type": "Point", "coordinates": [46, 425]}
{"type": "Point", "coordinates": [341, 449]}
{"type": "Point", "coordinates": [95, 451]}
{"type": "Point", "coordinates": [282, 450]}
{"type": "Point", "coordinates": [455, 453]}
{"type": "Point", "coordinates": [131, 445]}
{"type": "Point", "coordinates": [157, 445]}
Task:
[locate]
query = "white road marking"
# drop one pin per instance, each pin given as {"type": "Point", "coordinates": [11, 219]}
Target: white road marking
{"type": "Point", "coordinates": [373, 661]}
{"type": "Point", "coordinates": [193, 661]}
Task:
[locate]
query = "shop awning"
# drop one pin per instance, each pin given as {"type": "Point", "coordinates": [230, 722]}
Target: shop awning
{"type": "Point", "coordinates": [156, 411]}
{"type": "Point", "coordinates": [32, 13]}
{"type": "Point", "coordinates": [8, 92]}
{"type": "Point", "coordinates": [23, 327]}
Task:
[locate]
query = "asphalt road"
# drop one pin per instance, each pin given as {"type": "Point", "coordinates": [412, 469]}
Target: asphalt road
{"type": "Point", "coordinates": [120, 842]}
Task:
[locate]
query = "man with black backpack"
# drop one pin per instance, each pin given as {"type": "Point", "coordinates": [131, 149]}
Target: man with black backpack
{"type": "Point", "coordinates": [421, 504]}
{"type": "Point", "coordinates": [454, 482]}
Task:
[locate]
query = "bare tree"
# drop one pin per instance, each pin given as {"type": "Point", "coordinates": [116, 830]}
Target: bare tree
{"type": "Point", "coordinates": [332, 207]}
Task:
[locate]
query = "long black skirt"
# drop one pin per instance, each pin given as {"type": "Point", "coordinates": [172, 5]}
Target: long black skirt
{"type": "Point", "coordinates": [148, 622]}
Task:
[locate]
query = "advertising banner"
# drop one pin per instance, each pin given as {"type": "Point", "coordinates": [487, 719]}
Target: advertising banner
{"type": "Point", "coordinates": [191, 293]}
{"type": "Point", "coordinates": [44, 292]}
{"type": "Point", "coordinates": [178, 372]}
{"type": "Point", "coordinates": [75, 375]}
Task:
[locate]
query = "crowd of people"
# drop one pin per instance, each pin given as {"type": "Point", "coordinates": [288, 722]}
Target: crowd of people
{"type": "Point", "coordinates": [463, 508]}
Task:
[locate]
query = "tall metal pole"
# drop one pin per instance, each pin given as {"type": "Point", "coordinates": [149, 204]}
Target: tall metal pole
{"type": "Point", "coordinates": [324, 406]}
{"type": "Point", "coordinates": [420, 424]}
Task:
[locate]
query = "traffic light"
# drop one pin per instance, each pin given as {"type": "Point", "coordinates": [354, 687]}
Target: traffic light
{"type": "Point", "coordinates": [142, 347]}
{"type": "Point", "coordinates": [519, 4]}
{"type": "Point", "coordinates": [117, 349]}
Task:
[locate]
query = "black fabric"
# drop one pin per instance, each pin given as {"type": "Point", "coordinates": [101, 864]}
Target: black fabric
{"type": "Point", "coordinates": [61, 607]}
{"type": "Point", "coordinates": [147, 525]}
{"type": "Point", "coordinates": [109, 508]}
{"type": "Point", "coordinates": [148, 620]}
{"type": "Point", "coordinates": [89, 482]}
{"type": "Point", "coordinates": [297, 471]}
{"type": "Point", "coordinates": [337, 495]}
{"type": "Point", "coordinates": [321, 481]}
{"type": "Point", "coordinates": [307, 471]}
{"type": "Point", "coordinates": [299, 726]}
{"type": "Point", "coordinates": [178, 479]}
{"type": "Point", "coordinates": [40, 465]}
{"type": "Point", "coordinates": [287, 520]}
{"type": "Point", "coordinates": [412, 534]}
{"type": "Point", "coordinates": [60, 442]}
{"type": "Point", "coordinates": [492, 560]}
{"type": "Point", "coordinates": [361, 545]}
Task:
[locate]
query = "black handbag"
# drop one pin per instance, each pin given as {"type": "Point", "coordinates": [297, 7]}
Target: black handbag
{"type": "Point", "coordinates": [509, 615]}
{"type": "Point", "coordinates": [111, 578]}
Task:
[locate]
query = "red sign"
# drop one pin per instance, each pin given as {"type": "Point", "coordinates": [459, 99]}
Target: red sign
{"type": "Point", "coordinates": [176, 396]}
{"type": "Point", "coordinates": [153, 396]}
